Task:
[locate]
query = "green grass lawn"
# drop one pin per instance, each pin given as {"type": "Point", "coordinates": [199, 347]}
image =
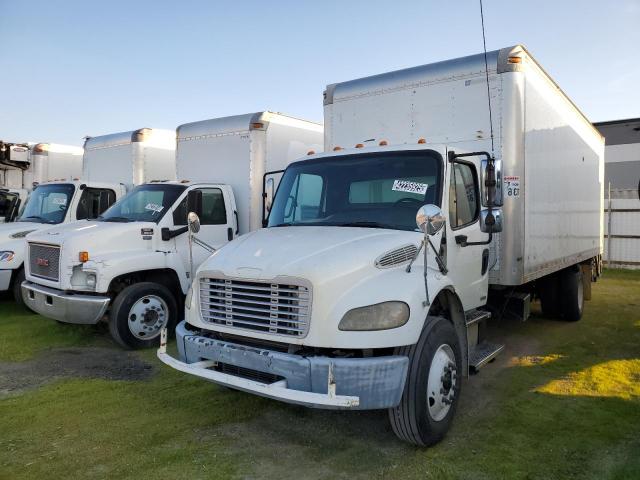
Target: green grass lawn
{"type": "Point", "coordinates": [563, 402]}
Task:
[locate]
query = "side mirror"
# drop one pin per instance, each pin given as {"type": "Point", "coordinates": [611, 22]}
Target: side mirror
{"type": "Point", "coordinates": [430, 219]}
{"type": "Point", "coordinates": [491, 192]}
{"type": "Point", "coordinates": [194, 222]}
{"type": "Point", "coordinates": [194, 201]}
{"type": "Point", "coordinates": [269, 193]}
{"type": "Point", "coordinates": [491, 226]}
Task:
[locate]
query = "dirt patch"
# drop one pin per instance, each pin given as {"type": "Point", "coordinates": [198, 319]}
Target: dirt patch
{"type": "Point", "coordinates": [54, 364]}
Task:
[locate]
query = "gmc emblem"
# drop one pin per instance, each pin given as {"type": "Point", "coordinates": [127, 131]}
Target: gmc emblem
{"type": "Point", "coordinates": [42, 262]}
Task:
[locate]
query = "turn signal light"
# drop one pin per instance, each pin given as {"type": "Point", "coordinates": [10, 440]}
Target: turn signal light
{"type": "Point", "coordinates": [83, 256]}
{"type": "Point", "coordinates": [514, 60]}
{"type": "Point", "coordinates": [383, 143]}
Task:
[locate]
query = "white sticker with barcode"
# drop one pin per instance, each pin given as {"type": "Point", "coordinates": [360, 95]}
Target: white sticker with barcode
{"type": "Point", "coordinates": [511, 185]}
{"type": "Point", "coordinates": [409, 187]}
{"type": "Point", "coordinates": [154, 207]}
{"type": "Point", "coordinates": [59, 200]}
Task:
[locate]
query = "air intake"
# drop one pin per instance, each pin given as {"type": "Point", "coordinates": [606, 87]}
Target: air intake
{"type": "Point", "coordinates": [397, 257]}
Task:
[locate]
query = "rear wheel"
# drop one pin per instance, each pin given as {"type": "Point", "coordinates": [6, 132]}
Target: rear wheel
{"type": "Point", "coordinates": [140, 312]}
{"type": "Point", "coordinates": [17, 287]}
{"type": "Point", "coordinates": [433, 385]}
{"type": "Point", "coordinates": [549, 293]}
{"type": "Point", "coordinates": [572, 291]}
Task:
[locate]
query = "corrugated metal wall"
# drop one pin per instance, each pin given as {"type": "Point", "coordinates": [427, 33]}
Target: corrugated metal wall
{"type": "Point", "coordinates": [622, 247]}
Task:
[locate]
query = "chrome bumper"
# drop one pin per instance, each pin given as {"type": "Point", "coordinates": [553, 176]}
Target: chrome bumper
{"type": "Point", "coordinates": [320, 382]}
{"type": "Point", "coordinates": [62, 306]}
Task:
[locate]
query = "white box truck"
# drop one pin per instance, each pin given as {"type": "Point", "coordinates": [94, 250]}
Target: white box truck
{"type": "Point", "coordinates": [381, 264]}
{"type": "Point", "coordinates": [110, 163]}
{"type": "Point", "coordinates": [133, 263]}
{"type": "Point", "coordinates": [27, 165]}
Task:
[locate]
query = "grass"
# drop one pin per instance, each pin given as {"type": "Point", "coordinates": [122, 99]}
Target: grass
{"type": "Point", "coordinates": [562, 402]}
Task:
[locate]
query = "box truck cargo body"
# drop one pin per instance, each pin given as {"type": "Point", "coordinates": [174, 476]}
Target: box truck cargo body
{"type": "Point", "coordinates": [385, 257]}
{"type": "Point", "coordinates": [133, 265]}
{"type": "Point", "coordinates": [552, 156]}
{"type": "Point", "coordinates": [110, 163]}
{"type": "Point", "coordinates": [27, 165]}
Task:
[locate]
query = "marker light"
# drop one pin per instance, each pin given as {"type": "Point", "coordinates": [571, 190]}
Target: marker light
{"type": "Point", "coordinates": [184, 181]}
{"type": "Point", "coordinates": [359, 145]}
{"type": "Point", "coordinates": [83, 256]}
{"type": "Point", "coordinates": [383, 143]}
{"type": "Point", "coordinates": [257, 125]}
{"type": "Point", "coordinates": [311, 152]}
{"type": "Point", "coordinates": [422, 141]}
{"type": "Point", "coordinates": [337, 149]}
{"type": "Point", "coordinates": [514, 60]}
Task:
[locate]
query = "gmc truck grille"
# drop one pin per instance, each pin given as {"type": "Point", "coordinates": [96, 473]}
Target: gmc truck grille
{"type": "Point", "coordinates": [44, 261]}
{"type": "Point", "coordinates": [279, 309]}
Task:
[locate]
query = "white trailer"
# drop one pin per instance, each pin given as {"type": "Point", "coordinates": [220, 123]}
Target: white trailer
{"type": "Point", "coordinates": [134, 264]}
{"type": "Point", "coordinates": [371, 285]}
{"type": "Point", "coordinates": [108, 170]}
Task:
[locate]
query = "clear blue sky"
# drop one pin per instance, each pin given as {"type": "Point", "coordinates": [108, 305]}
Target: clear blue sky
{"type": "Point", "coordinates": [75, 68]}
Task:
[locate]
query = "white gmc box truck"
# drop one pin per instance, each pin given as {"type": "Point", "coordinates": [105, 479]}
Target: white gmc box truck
{"type": "Point", "coordinates": [27, 165]}
{"type": "Point", "coordinates": [133, 263]}
{"type": "Point", "coordinates": [371, 286]}
{"type": "Point", "coordinates": [111, 164]}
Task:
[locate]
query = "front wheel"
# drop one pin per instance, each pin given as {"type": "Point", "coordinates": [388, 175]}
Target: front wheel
{"type": "Point", "coordinates": [17, 287]}
{"type": "Point", "coordinates": [140, 312]}
{"type": "Point", "coordinates": [433, 384]}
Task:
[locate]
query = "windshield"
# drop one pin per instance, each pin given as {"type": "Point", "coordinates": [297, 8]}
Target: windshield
{"type": "Point", "coordinates": [48, 203]}
{"type": "Point", "coordinates": [379, 190]}
{"type": "Point", "coordinates": [8, 202]}
{"type": "Point", "coordinates": [145, 203]}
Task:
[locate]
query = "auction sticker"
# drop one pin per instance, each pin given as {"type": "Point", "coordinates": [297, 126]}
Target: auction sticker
{"type": "Point", "coordinates": [409, 187]}
{"type": "Point", "coordinates": [154, 207]}
{"type": "Point", "coordinates": [511, 185]}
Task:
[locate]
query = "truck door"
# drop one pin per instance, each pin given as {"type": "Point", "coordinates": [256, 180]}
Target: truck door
{"type": "Point", "coordinates": [466, 264]}
{"type": "Point", "coordinates": [217, 224]}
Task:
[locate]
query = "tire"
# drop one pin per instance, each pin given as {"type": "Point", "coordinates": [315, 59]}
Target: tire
{"type": "Point", "coordinates": [572, 291]}
{"type": "Point", "coordinates": [138, 314]}
{"type": "Point", "coordinates": [549, 293]}
{"type": "Point", "coordinates": [17, 287]}
{"type": "Point", "coordinates": [422, 418]}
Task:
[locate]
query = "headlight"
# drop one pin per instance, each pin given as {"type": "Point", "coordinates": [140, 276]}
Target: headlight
{"type": "Point", "coordinates": [381, 316]}
{"type": "Point", "coordinates": [187, 301]}
{"type": "Point", "coordinates": [91, 280]}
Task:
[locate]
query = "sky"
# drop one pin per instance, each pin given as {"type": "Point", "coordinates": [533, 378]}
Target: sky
{"type": "Point", "coordinates": [74, 68]}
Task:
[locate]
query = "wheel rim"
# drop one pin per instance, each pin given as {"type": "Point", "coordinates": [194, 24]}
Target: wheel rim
{"type": "Point", "coordinates": [441, 386]}
{"type": "Point", "coordinates": [147, 317]}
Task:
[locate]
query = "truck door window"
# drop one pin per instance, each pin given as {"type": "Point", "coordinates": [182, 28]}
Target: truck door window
{"type": "Point", "coordinates": [306, 199]}
{"type": "Point", "coordinates": [213, 209]}
{"type": "Point", "coordinates": [463, 195]}
{"type": "Point", "coordinates": [93, 202]}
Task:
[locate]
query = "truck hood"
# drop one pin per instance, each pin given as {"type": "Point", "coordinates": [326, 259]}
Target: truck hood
{"type": "Point", "coordinates": [315, 253]}
{"type": "Point", "coordinates": [95, 237]}
{"type": "Point", "coordinates": [18, 229]}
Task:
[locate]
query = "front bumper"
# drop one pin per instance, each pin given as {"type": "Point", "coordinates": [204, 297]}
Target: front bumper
{"type": "Point", "coordinates": [62, 306]}
{"type": "Point", "coordinates": [313, 381]}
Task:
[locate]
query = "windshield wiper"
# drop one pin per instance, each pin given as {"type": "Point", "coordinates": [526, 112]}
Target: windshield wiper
{"type": "Point", "coordinates": [36, 217]}
{"type": "Point", "coordinates": [365, 225]}
{"type": "Point", "coordinates": [116, 219]}
{"type": "Point", "coordinates": [285, 224]}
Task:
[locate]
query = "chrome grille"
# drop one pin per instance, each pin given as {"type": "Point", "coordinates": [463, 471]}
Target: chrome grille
{"type": "Point", "coordinates": [396, 257]}
{"type": "Point", "coordinates": [280, 309]}
{"type": "Point", "coordinates": [44, 261]}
